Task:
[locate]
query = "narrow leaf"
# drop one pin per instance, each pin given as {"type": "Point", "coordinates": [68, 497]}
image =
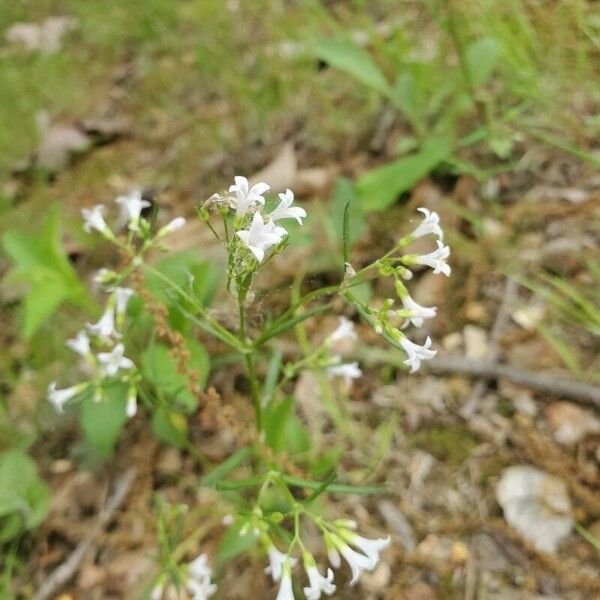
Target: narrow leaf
{"type": "Point", "coordinates": [352, 59]}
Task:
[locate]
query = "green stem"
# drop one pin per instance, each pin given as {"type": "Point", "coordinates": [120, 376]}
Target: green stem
{"type": "Point", "coordinates": [211, 325]}
{"type": "Point", "coordinates": [250, 360]}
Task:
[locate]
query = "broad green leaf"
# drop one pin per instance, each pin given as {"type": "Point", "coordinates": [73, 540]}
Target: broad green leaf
{"type": "Point", "coordinates": [40, 261]}
{"type": "Point", "coordinates": [103, 420]}
{"type": "Point", "coordinates": [379, 188]}
{"type": "Point", "coordinates": [160, 369]}
{"type": "Point", "coordinates": [43, 299]}
{"type": "Point", "coordinates": [283, 430]}
{"type": "Point", "coordinates": [170, 427]}
{"type": "Point", "coordinates": [187, 270]}
{"type": "Point", "coordinates": [352, 59]}
{"type": "Point", "coordinates": [24, 497]}
{"type": "Point", "coordinates": [482, 56]}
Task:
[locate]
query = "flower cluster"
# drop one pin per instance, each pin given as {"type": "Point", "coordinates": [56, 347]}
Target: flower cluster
{"type": "Point", "coordinates": [100, 347]}
{"type": "Point", "coordinates": [389, 320]}
{"type": "Point", "coordinates": [100, 344]}
{"type": "Point", "coordinates": [258, 234]}
{"type": "Point", "coordinates": [197, 583]}
{"type": "Point", "coordinates": [360, 553]}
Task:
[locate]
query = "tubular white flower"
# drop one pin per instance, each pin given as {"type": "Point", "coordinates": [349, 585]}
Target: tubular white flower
{"type": "Point", "coordinates": [157, 591]}
{"type": "Point", "coordinates": [318, 583]}
{"type": "Point", "coordinates": [105, 326]}
{"type": "Point", "coordinates": [277, 560]}
{"type": "Point", "coordinates": [114, 360]}
{"type": "Point", "coordinates": [416, 353]}
{"type": "Point", "coordinates": [285, 589]}
{"type": "Point", "coordinates": [60, 397]}
{"type": "Point", "coordinates": [436, 259]}
{"type": "Point", "coordinates": [429, 225]}
{"type": "Point", "coordinates": [132, 206]}
{"type": "Point", "coordinates": [417, 312]}
{"type": "Point", "coordinates": [261, 236]}
{"type": "Point", "coordinates": [348, 371]}
{"type": "Point", "coordinates": [245, 196]}
{"type": "Point", "coordinates": [199, 583]}
{"type": "Point", "coordinates": [80, 343]}
{"type": "Point", "coordinates": [370, 547]}
{"type": "Point", "coordinates": [121, 296]}
{"type": "Point", "coordinates": [357, 562]}
{"type": "Point", "coordinates": [172, 226]}
{"type": "Point", "coordinates": [285, 210]}
{"type": "Point", "coordinates": [93, 219]}
{"type": "Point", "coordinates": [345, 331]}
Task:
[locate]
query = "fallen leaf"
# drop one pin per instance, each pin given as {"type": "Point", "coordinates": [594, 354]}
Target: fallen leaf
{"type": "Point", "coordinates": [45, 36]}
{"type": "Point", "coordinates": [537, 505]}
{"type": "Point", "coordinates": [281, 172]}
{"type": "Point", "coordinates": [59, 143]}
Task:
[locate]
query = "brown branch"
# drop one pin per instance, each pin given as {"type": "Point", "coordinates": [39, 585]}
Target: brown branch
{"type": "Point", "coordinates": [63, 573]}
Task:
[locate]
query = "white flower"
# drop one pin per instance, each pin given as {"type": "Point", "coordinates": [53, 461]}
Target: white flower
{"type": "Point", "coordinates": [436, 259]}
{"type": "Point", "coordinates": [416, 353]}
{"type": "Point", "coordinates": [114, 360]}
{"type": "Point", "coordinates": [357, 562]}
{"type": "Point", "coordinates": [348, 371]}
{"type": "Point", "coordinates": [60, 397]}
{"type": "Point", "coordinates": [369, 547]}
{"type": "Point", "coordinates": [121, 296]}
{"type": "Point", "coordinates": [285, 590]}
{"type": "Point", "coordinates": [93, 219]}
{"type": "Point", "coordinates": [430, 224]}
{"type": "Point", "coordinates": [277, 560]}
{"type": "Point", "coordinates": [285, 210]}
{"type": "Point", "coordinates": [260, 236]}
{"type": "Point", "coordinates": [199, 584]}
{"type": "Point", "coordinates": [80, 343]}
{"type": "Point", "coordinates": [418, 312]}
{"type": "Point", "coordinates": [246, 197]}
{"type": "Point", "coordinates": [318, 583]}
{"type": "Point", "coordinates": [132, 206]}
{"type": "Point", "coordinates": [105, 326]}
{"type": "Point", "coordinates": [345, 331]}
{"type": "Point", "coordinates": [170, 227]}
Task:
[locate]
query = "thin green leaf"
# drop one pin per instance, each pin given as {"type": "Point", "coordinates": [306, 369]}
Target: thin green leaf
{"type": "Point", "coordinates": [335, 488]}
{"type": "Point", "coordinates": [226, 467]}
{"type": "Point", "coordinates": [352, 59]}
{"type": "Point", "coordinates": [322, 488]}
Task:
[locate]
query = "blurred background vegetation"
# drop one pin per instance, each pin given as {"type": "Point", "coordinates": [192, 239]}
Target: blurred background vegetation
{"type": "Point", "coordinates": [178, 96]}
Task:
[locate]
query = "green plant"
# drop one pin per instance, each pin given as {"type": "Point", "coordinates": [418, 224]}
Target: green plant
{"type": "Point", "coordinates": [269, 500]}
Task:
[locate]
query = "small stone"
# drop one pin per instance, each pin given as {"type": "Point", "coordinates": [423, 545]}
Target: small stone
{"type": "Point", "coordinates": [378, 579]}
{"type": "Point", "coordinates": [476, 342]}
{"type": "Point", "coordinates": [459, 553]}
{"type": "Point", "coordinates": [419, 591]}
{"type": "Point", "coordinates": [537, 505]}
{"type": "Point", "coordinates": [453, 341]}
{"type": "Point", "coordinates": [569, 423]}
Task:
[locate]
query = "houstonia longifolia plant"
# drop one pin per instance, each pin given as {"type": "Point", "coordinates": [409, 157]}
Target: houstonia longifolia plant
{"type": "Point", "coordinates": [273, 506]}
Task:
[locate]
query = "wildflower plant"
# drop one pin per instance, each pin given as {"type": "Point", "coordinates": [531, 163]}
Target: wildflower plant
{"type": "Point", "coordinates": [271, 501]}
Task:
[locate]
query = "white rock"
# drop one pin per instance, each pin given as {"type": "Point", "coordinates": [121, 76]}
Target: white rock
{"type": "Point", "coordinates": [536, 504]}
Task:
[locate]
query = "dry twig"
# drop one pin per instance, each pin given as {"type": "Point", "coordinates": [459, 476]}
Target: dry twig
{"type": "Point", "coordinates": [63, 573]}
